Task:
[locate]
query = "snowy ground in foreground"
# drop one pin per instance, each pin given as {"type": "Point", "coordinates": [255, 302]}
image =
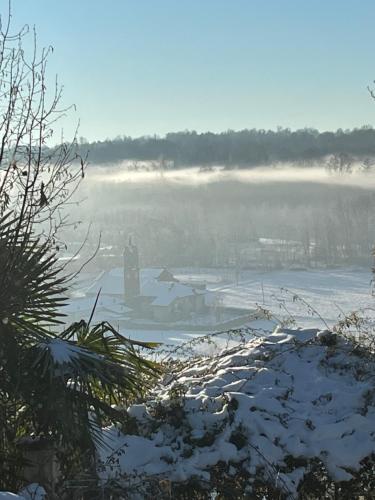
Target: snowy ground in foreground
{"type": "Point", "coordinates": [296, 394]}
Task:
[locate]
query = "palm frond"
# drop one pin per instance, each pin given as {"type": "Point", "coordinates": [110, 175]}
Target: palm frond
{"type": "Point", "coordinates": [31, 285]}
{"type": "Point", "coordinates": [63, 386]}
{"type": "Point", "coordinates": [85, 376]}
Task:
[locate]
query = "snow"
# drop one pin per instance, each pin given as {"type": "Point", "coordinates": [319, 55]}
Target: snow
{"type": "Point", "coordinates": [302, 294]}
{"type": "Point", "coordinates": [166, 293]}
{"type": "Point", "coordinates": [6, 495]}
{"type": "Point", "coordinates": [296, 393]}
{"type": "Point", "coordinates": [33, 492]}
{"type": "Point", "coordinates": [109, 282]}
{"type": "Point", "coordinates": [85, 305]}
{"type": "Point", "coordinates": [112, 282]}
{"type": "Point", "coordinates": [62, 351]}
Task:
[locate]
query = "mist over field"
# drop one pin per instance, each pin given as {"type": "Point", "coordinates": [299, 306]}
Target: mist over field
{"type": "Point", "coordinates": [195, 217]}
{"type": "Point", "coordinates": [148, 172]}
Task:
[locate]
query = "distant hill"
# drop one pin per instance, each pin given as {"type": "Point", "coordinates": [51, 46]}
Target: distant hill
{"type": "Point", "coordinates": [243, 148]}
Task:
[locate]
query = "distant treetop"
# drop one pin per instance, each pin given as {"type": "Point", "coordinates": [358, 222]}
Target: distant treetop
{"type": "Point", "coordinates": [244, 148]}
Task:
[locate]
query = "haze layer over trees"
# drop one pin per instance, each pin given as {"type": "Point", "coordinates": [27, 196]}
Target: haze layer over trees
{"type": "Point", "coordinates": [245, 218]}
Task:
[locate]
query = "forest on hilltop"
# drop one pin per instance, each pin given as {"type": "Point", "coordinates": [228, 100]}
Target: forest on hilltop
{"type": "Point", "coordinates": [243, 148]}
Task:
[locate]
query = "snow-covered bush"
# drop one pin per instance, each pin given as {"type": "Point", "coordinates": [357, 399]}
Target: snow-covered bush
{"type": "Point", "coordinates": [290, 415]}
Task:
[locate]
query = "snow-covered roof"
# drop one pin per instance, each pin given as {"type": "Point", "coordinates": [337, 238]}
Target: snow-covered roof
{"type": "Point", "coordinates": [305, 394]}
{"type": "Point", "coordinates": [84, 306]}
{"type": "Point", "coordinates": [110, 282]}
{"type": "Point", "coordinates": [165, 293]}
{"type": "Point", "coordinates": [151, 273]}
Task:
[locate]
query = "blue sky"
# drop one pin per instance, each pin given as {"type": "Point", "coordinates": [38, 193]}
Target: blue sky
{"type": "Point", "coordinates": [139, 67]}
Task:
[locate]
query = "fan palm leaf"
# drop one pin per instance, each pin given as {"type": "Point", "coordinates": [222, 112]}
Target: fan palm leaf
{"type": "Point", "coordinates": [60, 385]}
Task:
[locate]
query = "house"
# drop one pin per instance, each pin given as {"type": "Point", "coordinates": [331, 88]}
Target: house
{"type": "Point", "coordinates": [268, 253]}
{"type": "Point", "coordinates": [167, 301]}
{"type": "Point", "coordinates": [152, 298]}
{"type": "Point", "coordinates": [152, 294]}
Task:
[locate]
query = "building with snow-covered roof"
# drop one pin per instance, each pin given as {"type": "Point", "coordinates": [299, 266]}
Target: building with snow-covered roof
{"type": "Point", "coordinates": [151, 293]}
{"type": "Point", "coordinates": [163, 302]}
{"type": "Point", "coordinates": [114, 283]}
{"type": "Point", "coordinates": [170, 300]}
{"type": "Point", "coordinates": [130, 297]}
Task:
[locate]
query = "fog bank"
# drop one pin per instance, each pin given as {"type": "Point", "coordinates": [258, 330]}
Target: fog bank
{"type": "Point", "coordinates": [263, 217]}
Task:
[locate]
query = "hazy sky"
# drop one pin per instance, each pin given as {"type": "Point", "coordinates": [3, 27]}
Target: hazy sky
{"type": "Point", "coordinates": [139, 67]}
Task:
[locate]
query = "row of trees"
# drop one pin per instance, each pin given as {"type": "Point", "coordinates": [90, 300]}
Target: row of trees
{"type": "Point", "coordinates": [231, 148]}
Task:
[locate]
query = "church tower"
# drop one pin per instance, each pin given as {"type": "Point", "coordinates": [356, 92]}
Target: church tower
{"type": "Point", "coordinates": [132, 286]}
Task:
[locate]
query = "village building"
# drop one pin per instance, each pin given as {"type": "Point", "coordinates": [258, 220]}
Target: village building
{"type": "Point", "coordinates": [150, 298]}
{"type": "Point", "coordinates": [269, 253]}
{"type": "Point", "coordinates": [151, 293]}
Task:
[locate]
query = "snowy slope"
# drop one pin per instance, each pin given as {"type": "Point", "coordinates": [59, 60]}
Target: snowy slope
{"type": "Point", "coordinates": [291, 397]}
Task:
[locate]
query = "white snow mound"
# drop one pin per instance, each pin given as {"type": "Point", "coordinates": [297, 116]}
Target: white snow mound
{"type": "Point", "coordinates": [297, 394]}
{"type": "Point", "coordinates": [6, 495]}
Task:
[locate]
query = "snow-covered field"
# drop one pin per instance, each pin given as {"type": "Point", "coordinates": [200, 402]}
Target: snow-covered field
{"type": "Point", "coordinates": [314, 298]}
{"type": "Point", "coordinates": [305, 295]}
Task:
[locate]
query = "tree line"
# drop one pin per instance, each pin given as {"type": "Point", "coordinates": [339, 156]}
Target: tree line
{"type": "Point", "coordinates": [243, 148]}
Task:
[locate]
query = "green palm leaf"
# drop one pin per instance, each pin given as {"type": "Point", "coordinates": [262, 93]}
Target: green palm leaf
{"type": "Point", "coordinates": [61, 386]}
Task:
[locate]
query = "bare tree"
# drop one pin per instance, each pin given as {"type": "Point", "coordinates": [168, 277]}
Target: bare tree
{"type": "Point", "coordinates": [340, 163]}
{"type": "Point", "coordinates": [36, 179]}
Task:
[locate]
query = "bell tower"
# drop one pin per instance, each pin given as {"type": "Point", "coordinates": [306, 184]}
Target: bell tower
{"type": "Point", "coordinates": [132, 286]}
